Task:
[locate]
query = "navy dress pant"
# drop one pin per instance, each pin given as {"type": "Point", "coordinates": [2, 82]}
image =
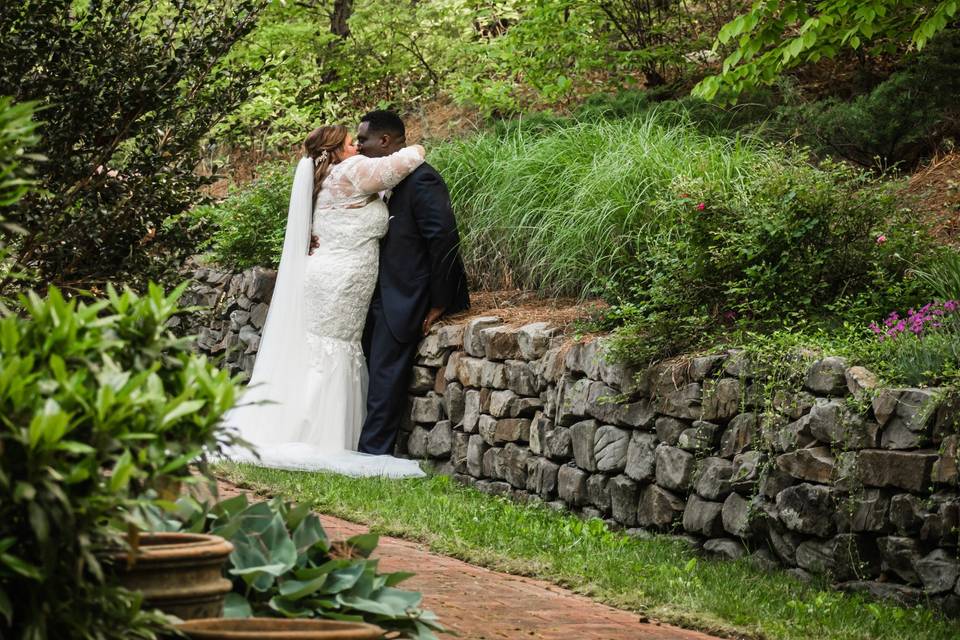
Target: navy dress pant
{"type": "Point", "coordinates": [390, 364]}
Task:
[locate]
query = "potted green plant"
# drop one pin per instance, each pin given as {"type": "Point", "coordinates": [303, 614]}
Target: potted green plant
{"type": "Point", "coordinates": [285, 567]}
{"type": "Point", "coordinates": [102, 410]}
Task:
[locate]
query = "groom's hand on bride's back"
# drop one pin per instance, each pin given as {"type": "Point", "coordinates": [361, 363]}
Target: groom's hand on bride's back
{"type": "Point", "coordinates": [432, 316]}
{"type": "Point", "coordinates": [314, 244]}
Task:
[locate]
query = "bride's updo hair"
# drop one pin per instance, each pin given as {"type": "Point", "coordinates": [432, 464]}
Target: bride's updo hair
{"type": "Point", "coordinates": [325, 146]}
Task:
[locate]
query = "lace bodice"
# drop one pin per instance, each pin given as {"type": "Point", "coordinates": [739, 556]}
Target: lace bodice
{"type": "Point", "coordinates": [349, 220]}
{"type": "Point", "coordinates": [351, 183]}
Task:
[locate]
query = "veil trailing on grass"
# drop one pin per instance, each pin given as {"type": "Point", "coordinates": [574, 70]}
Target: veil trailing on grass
{"type": "Point", "coordinates": [285, 411]}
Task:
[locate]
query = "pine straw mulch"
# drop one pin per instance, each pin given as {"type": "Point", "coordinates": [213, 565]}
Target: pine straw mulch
{"type": "Point", "coordinates": [934, 191]}
{"type": "Point", "coordinates": [517, 308]}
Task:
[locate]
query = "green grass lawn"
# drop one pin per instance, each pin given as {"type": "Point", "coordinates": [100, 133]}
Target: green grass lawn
{"type": "Point", "coordinates": [659, 577]}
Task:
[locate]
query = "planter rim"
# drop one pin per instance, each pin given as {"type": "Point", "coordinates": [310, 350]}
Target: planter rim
{"type": "Point", "coordinates": [278, 629]}
{"type": "Point", "coordinates": [188, 547]}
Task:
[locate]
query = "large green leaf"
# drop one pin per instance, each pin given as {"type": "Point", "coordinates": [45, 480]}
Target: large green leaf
{"type": "Point", "coordinates": [364, 544]}
{"type": "Point", "coordinates": [295, 514]}
{"type": "Point", "coordinates": [390, 602]}
{"type": "Point", "coordinates": [296, 589]}
{"type": "Point", "coordinates": [263, 549]}
{"type": "Point", "coordinates": [290, 608]}
{"type": "Point", "coordinates": [309, 573]}
{"type": "Point", "coordinates": [20, 566]}
{"type": "Point", "coordinates": [6, 607]}
{"type": "Point", "coordinates": [49, 424]}
{"type": "Point", "coordinates": [236, 606]}
{"type": "Point", "coordinates": [308, 534]}
{"type": "Point", "coordinates": [342, 579]}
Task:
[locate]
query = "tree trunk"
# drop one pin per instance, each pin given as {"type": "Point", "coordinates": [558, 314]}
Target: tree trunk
{"type": "Point", "coordinates": [339, 18]}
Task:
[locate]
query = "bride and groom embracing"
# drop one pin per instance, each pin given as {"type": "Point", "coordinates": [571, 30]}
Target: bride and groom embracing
{"type": "Point", "coordinates": [370, 262]}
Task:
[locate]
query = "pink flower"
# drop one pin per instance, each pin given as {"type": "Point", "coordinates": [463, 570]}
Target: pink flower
{"type": "Point", "coordinates": [701, 206]}
{"type": "Point", "coordinates": [881, 239]}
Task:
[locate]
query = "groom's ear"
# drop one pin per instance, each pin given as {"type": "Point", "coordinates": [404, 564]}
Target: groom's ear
{"type": "Point", "coordinates": [392, 142]}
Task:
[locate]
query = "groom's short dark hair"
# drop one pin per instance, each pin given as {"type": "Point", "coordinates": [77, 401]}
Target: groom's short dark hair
{"type": "Point", "coordinates": [383, 121]}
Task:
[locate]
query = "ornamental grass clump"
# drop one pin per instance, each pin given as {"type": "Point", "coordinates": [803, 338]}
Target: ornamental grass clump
{"type": "Point", "coordinates": [567, 209]}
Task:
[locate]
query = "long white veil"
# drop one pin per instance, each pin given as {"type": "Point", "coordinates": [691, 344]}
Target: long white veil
{"type": "Point", "coordinates": [273, 397]}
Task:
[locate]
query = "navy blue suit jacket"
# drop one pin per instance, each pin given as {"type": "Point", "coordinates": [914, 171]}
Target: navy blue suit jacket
{"type": "Point", "coordinates": [420, 263]}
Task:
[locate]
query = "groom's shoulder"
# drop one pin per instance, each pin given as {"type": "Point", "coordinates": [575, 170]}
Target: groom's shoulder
{"type": "Point", "coordinates": [424, 176]}
{"type": "Point", "coordinates": [424, 170]}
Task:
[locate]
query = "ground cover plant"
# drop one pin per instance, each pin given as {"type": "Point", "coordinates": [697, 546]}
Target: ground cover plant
{"type": "Point", "coordinates": [284, 565]}
{"type": "Point", "coordinates": [658, 576]}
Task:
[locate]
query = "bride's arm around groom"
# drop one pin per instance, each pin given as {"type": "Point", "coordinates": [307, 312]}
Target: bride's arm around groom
{"type": "Point", "coordinates": [373, 175]}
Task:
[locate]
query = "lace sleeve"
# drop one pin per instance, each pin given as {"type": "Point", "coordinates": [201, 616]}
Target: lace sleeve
{"type": "Point", "coordinates": [370, 175]}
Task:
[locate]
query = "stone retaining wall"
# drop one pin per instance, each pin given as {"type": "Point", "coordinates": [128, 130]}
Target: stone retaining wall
{"type": "Point", "coordinates": [837, 477]}
{"type": "Point", "coordinates": [236, 307]}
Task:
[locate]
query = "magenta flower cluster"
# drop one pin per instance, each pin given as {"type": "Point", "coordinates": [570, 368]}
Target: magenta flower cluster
{"type": "Point", "coordinates": [929, 316]}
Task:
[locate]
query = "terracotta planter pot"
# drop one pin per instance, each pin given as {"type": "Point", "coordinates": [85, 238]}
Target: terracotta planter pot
{"type": "Point", "coordinates": [278, 629]}
{"type": "Point", "coordinates": [178, 573]}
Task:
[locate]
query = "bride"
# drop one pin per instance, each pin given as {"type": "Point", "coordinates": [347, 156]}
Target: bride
{"type": "Point", "coordinates": [305, 403]}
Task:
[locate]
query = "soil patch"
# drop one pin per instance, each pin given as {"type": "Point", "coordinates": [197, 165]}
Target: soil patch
{"type": "Point", "coordinates": [517, 307]}
{"type": "Point", "coordinates": [934, 191]}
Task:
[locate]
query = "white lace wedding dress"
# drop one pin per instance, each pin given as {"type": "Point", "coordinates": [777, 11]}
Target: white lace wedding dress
{"type": "Point", "coordinates": [306, 400]}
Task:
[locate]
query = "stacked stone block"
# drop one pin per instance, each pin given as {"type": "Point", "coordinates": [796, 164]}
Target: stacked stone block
{"type": "Point", "coordinates": [233, 310]}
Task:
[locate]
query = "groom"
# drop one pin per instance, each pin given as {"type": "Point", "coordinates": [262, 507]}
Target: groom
{"type": "Point", "coordinates": [421, 279]}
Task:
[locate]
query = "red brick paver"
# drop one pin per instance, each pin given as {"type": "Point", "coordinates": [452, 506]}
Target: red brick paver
{"type": "Point", "coordinates": [480, 604]}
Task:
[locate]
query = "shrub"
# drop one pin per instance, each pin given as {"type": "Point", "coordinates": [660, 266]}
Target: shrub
{"type": "Point", "coordinates": [99, 404]}
{"type": "Point", "coordinates": [772, 37]}
{"type": "Point", "coordinates": [246, 229]}
{"type": "Point", "coordinates": [128, 92]}
{"type": "Point", "coordinates": [17, 135]}
{"type": "Point", "coordinates": [900, 121]}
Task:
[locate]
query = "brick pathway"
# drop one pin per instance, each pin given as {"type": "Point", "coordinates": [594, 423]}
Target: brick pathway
{"type": "Point", "coordinates": [480, 604]}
